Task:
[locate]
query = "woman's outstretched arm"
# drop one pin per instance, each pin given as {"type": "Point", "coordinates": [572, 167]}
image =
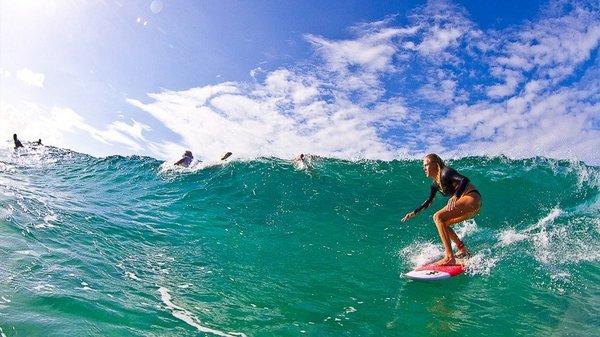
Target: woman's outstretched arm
{"type": "Point", "coordinates": [423, 205]}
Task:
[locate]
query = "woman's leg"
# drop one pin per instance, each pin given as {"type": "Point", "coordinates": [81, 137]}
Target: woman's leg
{"type": "Point", "coordinates": [461, 249]}
{"type": "Point", "coordinates": [441, 228]}
{"type": "Point", "coordinates": [465, 208]}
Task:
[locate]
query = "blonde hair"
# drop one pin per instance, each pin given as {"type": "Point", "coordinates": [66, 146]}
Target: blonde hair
{"type": "Point", "coordinates": [440, 164]}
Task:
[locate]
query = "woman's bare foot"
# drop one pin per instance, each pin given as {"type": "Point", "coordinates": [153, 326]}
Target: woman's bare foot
{"type": "Point", "coordinates": [446, 261]}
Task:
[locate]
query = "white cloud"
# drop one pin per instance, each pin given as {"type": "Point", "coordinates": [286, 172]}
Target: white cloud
{"type": "Point", "coordinates": [372, 52]}
{"type": "Point", "coordinates": [443, 88]}
{"type": "Point", "coordinates": [285, 115]}
{"type": "Point", "coordinates": [353, 67]}
{"type": "Point", "coordinates": [31, 122]}
{"type": "Point", "coordinates": [556, 124]}
{"type": "Point", "coordinates": [30, 78]}
{"type": "Point", "coordinates": [438, 40]}
{"type": "Point", "coordinates": [4, 73]}
{"type": "Point", "coordinates": [510, 85]}
{"type": "Point", "coordinates": [122, 133]}
{"type": "Point", "coordinates": [343, 106]}
{"type": "Point", "coordinates": [551, 48]}
{"type": "Point", "coordinates": [442, 26]}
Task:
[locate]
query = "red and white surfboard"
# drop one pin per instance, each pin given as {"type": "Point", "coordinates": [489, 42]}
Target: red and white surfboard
{"type": "Point", "coordinates": [431, 272]}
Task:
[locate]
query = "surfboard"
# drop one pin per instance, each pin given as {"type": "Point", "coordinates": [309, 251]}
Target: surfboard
{"type": "Point", "coordinates": [431, 272]}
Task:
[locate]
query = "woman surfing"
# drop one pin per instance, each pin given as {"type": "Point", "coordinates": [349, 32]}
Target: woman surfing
{"type": "Point", "coordinates": [464, 204]}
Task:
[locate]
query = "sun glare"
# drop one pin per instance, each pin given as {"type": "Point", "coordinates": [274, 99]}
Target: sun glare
{"type": "Point", "coordinates": [28, 7]}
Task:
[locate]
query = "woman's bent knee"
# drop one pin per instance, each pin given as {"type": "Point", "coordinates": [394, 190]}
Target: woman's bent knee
{"type": "Point", "coordinates": [438, 218]}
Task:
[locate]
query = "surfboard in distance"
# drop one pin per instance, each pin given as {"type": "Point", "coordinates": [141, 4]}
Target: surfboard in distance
{"type": "Point", "coordinates": [431, 272]}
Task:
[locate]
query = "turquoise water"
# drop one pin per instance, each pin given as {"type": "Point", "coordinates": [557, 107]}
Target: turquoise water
{"type": "Point", "coordinates": [121, 246]}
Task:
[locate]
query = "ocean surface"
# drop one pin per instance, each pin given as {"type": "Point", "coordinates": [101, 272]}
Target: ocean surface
{"type": "Point", "coordinates": [129, 246]}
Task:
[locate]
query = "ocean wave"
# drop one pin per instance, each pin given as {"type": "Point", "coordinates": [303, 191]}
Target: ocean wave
{"type": "Point", "coordinates": [265, 244]}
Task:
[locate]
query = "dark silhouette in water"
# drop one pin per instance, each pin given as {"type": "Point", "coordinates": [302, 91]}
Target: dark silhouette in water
{"type": "Point", "coordinates": [303, 161]}
{"type": "Point", "coordinates": [18, 143]}
{"type": "Point", "coordinates": [299, 159]}
{"type": "Point", "coordinates": [186, 160]}
{"type": "Point", "coordinates": [226, 155]}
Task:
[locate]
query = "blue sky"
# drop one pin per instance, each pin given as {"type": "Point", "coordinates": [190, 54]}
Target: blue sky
{"type": "Point", "coordinates": [346, 79]}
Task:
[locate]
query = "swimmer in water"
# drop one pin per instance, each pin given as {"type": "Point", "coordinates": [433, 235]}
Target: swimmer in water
{"type": "Point", "coordinates": [464, 204]}
{"type": "Point", "coordinates": [186, 160]}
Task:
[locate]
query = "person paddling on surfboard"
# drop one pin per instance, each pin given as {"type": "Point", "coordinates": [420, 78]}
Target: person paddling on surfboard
{"type": "Point", "coordinates": [464, 203]}
{"type": "Point", "coordinates": [186, 160]}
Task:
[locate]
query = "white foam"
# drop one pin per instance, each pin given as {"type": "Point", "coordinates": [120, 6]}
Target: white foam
{"type": "Point", "coordinates": [559, 245]}
{"type": "Point", "coordinates": [591, 207]}
{"type": "Point", "coordinates": [481, 264]}
{"type": "Point", "coordinates": [196, 165]}
{"type": "Point", "coordinates": [6, 211]}
{"type": "Point", "coordinates": [543, 222]}
{"type": "Point", "coordinates": [349, 310]}
{"type": "Point", "coordinates": [420, 253]}
{"type": "Point", "coordinates": [184, 315]}
{"type": "Point", "coordinates": [510, 236]}
{"type": "Point", "coordinates": [466, 228]}
{"type": "Point", "coordinates": [47, 221]}
{"type": "Point", "coordinates": [28, 252]}
{"type": "Point", "coordinates": [171, 167]}
{"type": "Point", "coordinates": [7, 168]}
{"type": "Point", "coordinates": [131, 275]}
{"type": "Point", "coordinates": [85, 286]}
{"type": "Point", "coordinates": [585, 174]}
{"type": "Point", "coordinates": [300, 165]}
{"type": "Point", "coordinates": [208, 163]}
{"type": "Point", "coordinates": [44, 287]}
{"type": "Point", "coordinates": [51, 217]}
{"type": "Point", "coordinates": [556, 244]}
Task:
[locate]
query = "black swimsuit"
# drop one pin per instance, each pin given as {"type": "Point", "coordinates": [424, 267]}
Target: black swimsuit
{"type": "Point", "coordinates": [449, 177]}
{"type": "Point", "coordinates": [474, 191]}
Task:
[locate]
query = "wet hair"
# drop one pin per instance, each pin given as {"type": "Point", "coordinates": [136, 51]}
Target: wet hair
{"type": "Point", "coordinates": [440, 164]}
{"type": "Point", "coordinates": [15, 136]}
{"type": "Point", "coordinates": [188, 153]}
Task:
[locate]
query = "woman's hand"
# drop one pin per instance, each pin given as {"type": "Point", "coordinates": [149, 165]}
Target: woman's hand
{"type": "Point", "coordinates": [451, 203]}
{"type": "Point", "coordinates": [408, 216]}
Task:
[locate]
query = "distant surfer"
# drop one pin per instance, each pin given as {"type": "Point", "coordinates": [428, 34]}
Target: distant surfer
{"type": "Point", "coordinates": [186, 160]}
{"type": "Point", "coordinates": [464, 203]}
{"type": "Point", "coordinates": [18, 143]}
{"type": "Point", "coordinates": [226, 155]}
{"type": "Point", "coordinates": [300, 158]}
{"type": "Point", "coordinates": [302, 161]}
{"type": "Point", "coordinates": [39, 142]}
